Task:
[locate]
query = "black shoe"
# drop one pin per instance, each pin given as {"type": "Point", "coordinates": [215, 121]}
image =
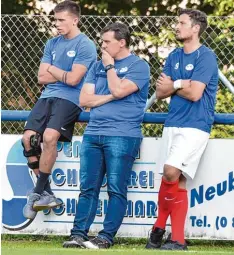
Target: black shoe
{"type": "Point", "coordinates": [155, 239]}
{"type": "Point", "coordinates": [97, 243]}
{"type": "Point", "coordinates": [75, 242]}
{"type": "Point", "coordinates": [174, 245]}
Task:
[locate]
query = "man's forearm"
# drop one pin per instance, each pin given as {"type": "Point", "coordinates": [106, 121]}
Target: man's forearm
{"type": "Point", "coordinates": [92, 101]}
{"type": "Point", "coordinates": [46, 78]}
{"type": "Point", "coordinates": [113, 82]}
{"type": "Point", "coordinates": [164, 91]}
{"type": "Point", "coordinates": [56, 72]}
{"type": "Point", "coordinates": [69, 78]}
{"type": "Point", "coordinates": [186, 93]}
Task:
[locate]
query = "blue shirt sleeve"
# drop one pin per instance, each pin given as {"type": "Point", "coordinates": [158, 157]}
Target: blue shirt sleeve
{"type": "Point", "coordinates": [206, 66]}
{"type": "Point", "coordinates": [91, 75]}
{"type": "Point", "coordinates": [139, 73]}
{"type": "Point", "coordinates": [87, 54]}
{"type": "Point", "coordinates": [167, 66]}
{"type": "Point", "coordinates": [47, 56]}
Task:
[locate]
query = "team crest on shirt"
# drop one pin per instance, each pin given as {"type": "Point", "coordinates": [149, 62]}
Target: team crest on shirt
{"type": "Point", "coordinates": [123, 70]}
{"type": "Point", "coordinates": [177, 66]}
{"type": "Point", "coordinates": [189, 67]}
{"type": "Point", "coordinates": [71, 53]}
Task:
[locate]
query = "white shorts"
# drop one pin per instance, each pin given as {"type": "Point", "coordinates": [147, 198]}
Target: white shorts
{"type": "Point", "coordinates": [182, 148]}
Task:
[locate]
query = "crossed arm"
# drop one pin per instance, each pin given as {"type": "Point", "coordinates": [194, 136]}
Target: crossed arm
{"type": "Point", "coordinates": [49, 74]}
{"type": "Point", "coordinates": [118, 88]}
{"type": "Point", "coordinates": [191, 90]}
{"type": "Point", "coordinates": [89, 99]}
{"type": "Point", "coordinates": [44, 77]}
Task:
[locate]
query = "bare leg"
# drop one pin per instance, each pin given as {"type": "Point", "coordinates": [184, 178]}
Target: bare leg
{"type": "Point", "coordinates": [49, 153]}
{"type": "Point", "coordinates": [47, 159]}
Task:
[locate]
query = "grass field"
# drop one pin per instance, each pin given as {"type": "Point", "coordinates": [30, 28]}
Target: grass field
{"type": "Point", "coordinates": [53, 246]}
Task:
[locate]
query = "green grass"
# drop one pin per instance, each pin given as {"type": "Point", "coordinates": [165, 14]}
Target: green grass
{"type": "Point", "coordinates": [49, 245]}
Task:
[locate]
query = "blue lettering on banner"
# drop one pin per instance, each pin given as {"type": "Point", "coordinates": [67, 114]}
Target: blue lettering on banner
{"type": "Point", "coordinates": [72, 177]}
{"type": "Point", "coordinates": [219, 222]}
{"type": "Point", "coordinates": [143, 179]}
{"type": "Point", "coordinates": [129, 211]}
{"type": "Point", "coordinates": [69, 149]}
{"type": "Point", "coordinates": [59, 210]}
{"type": "Point", "coordinates": [71, 206]}
{"type": "Point", "coordinates": [138, 209]}
{"type": "Point", "coordinates": [151, 208]}
{"type": "Point", "coordinates": [220, 189]}
{"type": "Point", "coordinates": [59, 177]}
{"type": "Point", "coordinates": [22, 180]}
{"type": "Point", "coordinates": [199, 222]}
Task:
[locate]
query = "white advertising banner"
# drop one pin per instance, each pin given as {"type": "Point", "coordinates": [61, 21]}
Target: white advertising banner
{"type": "Point", "coordinates": [211, 193]}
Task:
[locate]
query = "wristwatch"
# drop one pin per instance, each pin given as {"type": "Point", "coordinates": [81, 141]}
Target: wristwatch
{"type": "Point", "coordinates": [108, 67]}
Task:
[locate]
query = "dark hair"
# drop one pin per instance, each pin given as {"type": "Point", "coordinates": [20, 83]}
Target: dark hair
{"type": "Point", "coordinates": [197, 17]}
{"type": "Point", "coordinates": [121, 31]}
{"type": "Point", "coordinates": [69, 6]}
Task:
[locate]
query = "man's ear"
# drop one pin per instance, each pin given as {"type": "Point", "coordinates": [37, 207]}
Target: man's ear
{"type": "Point", "coordinates": [122, 43]}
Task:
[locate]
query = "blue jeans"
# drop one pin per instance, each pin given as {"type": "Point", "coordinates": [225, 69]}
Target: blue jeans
{"type": "Point", "coordinates": [100, 155]}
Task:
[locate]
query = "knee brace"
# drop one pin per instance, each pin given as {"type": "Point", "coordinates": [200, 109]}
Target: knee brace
{"type": "Point", "coordinates": [35, 143]}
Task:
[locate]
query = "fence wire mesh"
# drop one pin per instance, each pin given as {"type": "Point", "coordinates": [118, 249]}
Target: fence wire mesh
{"type": "Point", "coordinates": [24, 37]}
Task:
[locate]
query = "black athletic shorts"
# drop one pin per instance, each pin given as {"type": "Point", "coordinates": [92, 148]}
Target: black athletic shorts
{"type": "Point", "coordinates": [55, 113]}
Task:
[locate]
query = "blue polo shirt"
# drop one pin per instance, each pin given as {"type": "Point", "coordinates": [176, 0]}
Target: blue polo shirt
{"type": "Point", "coordinates": [119, 117]}
{"type": "Point", "coordinates": [63, 53]}
{"type": "Point", "coordinates": [200, 65]}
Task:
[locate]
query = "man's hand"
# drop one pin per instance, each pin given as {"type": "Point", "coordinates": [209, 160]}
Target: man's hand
{"type": "Point", "coordinates": [164, 86]}
{"type": "Point", "coordinates": [164, 80]}
{"type": "Point", "coordinates": [107, 59]}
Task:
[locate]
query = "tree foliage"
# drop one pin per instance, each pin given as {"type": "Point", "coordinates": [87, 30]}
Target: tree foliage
{"type": "Point", "coordinates": [19, 7]}
{"type": "Point", "coordinates": [126, 7]}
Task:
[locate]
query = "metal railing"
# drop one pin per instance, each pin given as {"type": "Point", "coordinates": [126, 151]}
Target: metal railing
{"type": "Point", "coordinates": [24, 37]}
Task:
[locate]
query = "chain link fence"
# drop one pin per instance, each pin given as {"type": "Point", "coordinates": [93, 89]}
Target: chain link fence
{"type": "Point", "coordinates": [24, 37]}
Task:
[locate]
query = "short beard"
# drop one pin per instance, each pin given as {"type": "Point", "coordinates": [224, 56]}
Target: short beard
{"type": "Point", "coordinates": [179, 39]}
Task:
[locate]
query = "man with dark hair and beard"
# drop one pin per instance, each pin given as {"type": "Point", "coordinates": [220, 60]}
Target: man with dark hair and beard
{"type": "Point", "coordinates": [190, 77]}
